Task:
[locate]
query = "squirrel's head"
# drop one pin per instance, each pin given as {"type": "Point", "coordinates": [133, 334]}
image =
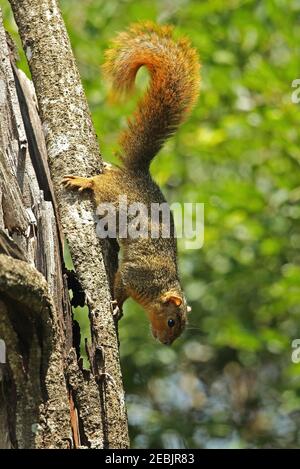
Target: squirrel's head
{"type": "Point", "coordinates": [168, 317]}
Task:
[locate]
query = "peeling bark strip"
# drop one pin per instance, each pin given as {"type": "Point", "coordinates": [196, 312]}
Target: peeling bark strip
{"type": "Point", "coordinates": [46, 399]}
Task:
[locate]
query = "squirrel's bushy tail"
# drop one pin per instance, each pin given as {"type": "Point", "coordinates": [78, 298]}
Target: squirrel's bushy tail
{"type": "Point", "coordinates": [173, 90]}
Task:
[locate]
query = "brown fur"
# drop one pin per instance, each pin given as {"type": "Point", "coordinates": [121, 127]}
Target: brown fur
{"type": "Point", "coordinates": [148, 272]}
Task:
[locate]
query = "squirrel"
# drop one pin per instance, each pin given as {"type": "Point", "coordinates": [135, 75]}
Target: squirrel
{"type": "Point", "coordinates": [148, 272]}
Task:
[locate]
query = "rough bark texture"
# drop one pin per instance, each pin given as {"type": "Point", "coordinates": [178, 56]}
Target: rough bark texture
{"type": "Point", "coordinates": [34, 396]}
{"type": "Point", "coordinates": [46, 398]}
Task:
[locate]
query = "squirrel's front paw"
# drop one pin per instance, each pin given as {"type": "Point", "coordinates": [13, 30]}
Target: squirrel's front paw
{"type": "Point", "coordinates": [117, 312]}
{"type": "Point", "coordinates": [76, 182]}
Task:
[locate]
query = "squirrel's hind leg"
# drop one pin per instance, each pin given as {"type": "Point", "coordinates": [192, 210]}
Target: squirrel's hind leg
{"type": "Point", "coordinates": [93, 183]}
{"type": "Point", "coordinates": [77, 182]}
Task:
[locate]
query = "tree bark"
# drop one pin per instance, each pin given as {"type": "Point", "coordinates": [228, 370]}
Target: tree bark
{"type": "Point", "coordinates": [46, 398]}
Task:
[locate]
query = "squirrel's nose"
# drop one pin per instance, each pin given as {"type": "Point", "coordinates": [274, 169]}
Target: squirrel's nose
{"type": "Point", "coordinates": [167, 341]}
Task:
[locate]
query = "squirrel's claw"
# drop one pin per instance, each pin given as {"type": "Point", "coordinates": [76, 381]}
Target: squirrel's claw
{"type": "Point", "coordinates": [67, 181]}
{"type": "Point", "coordinates": [77, 182]}
{"type": "Point", "coordinates": [107, 166]}
{"type": "Point", "coordinates": [117, 312]}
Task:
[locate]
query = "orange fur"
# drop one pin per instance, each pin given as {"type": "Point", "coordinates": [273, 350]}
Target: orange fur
{"type": "Point", "coordinates": [173, 90]}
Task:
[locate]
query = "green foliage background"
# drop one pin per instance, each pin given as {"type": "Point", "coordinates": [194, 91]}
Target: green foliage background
{"type": "Point", "coordinates": [230, 381]}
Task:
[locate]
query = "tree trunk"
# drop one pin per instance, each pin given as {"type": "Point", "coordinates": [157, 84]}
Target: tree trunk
{"type": "Point", "coordinates": [47, 399]}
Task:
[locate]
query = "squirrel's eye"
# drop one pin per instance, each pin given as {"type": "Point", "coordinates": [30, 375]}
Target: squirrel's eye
{"type": "Point", "coordinates": [171, 322]}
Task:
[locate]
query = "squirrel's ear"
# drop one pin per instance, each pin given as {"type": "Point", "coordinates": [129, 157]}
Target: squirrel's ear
{"type": "Point", "coordinates": [172, 298]}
